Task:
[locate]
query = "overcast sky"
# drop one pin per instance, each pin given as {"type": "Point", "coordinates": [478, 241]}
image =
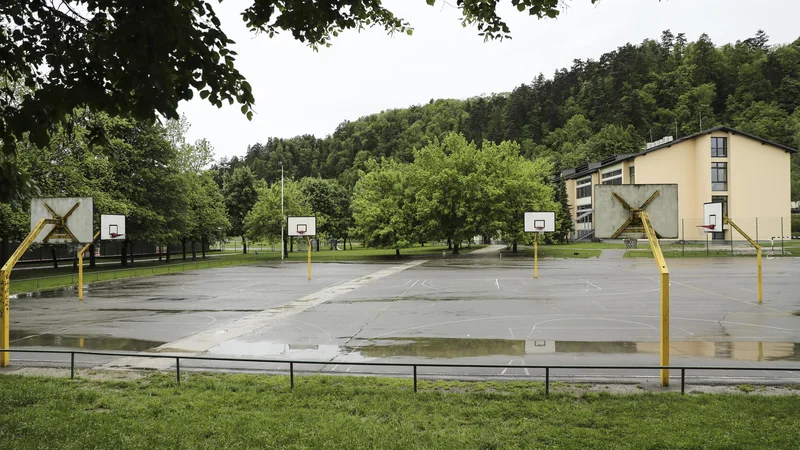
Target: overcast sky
{"type": "Point", "coordinates": [299, 91]}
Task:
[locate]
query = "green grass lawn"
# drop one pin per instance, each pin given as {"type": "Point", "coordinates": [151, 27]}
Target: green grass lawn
{"type": "Point", "coordinates": [330, 412]}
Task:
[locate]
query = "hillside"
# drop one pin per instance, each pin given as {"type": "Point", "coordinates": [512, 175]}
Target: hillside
{"type": "Point", "coordinates": [597, 107]}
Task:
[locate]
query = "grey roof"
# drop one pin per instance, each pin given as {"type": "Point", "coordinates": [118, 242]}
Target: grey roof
{"type": "Point", "coordinates": [588, 168]}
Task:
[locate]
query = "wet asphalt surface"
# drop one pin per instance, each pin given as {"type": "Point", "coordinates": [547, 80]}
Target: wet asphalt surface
{"type": "Point", "coordinates": [452, 311]}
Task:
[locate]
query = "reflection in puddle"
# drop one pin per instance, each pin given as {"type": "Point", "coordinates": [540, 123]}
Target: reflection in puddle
{"type": "Point", "coordinates": [90, 342]}
{"type": "Point", "coordinates": [449, 348]}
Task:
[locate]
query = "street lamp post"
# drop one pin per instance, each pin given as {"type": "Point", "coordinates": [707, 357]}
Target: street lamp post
{"type": "Point", "coordinates": [283, 219]}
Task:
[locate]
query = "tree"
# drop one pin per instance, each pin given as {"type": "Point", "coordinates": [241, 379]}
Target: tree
{"type": "Point", "coordinates": [240, 195]}
{"type": "Point", "coordinates": [54, 50]}
{"type": "Point", "coordinates": [209, 220]}
{"type": "Point", "coordinates": [264, 220]}
{"type": "Point", "coordinates": [564, 225]}
{"type": "Point", "coordinates": [384, 207]}
{"type": "Point", "coordinates": [330, 200]}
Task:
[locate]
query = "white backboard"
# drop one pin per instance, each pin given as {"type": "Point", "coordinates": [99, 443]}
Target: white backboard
{"type": "Point", "coordinates": [540, 222]}
{"type": "Point", "coordinates": [302, 226]}
{"type": "Point", "coordinates": [712, 215]}
{"type": "Point", "coordinates": [112, 227]}
{"type": "Point", "coordinates": [610, 214]}
{"type": "Point", "coordinates": [77, 225]}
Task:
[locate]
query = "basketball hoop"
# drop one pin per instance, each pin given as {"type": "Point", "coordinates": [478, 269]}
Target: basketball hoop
{"type": "Point", "coordinates": [301, 232]}
{"type": "Point", "coordinates": [116, 235]}
{"type": "Point", "coordinates": [707, 228]}
{"type": "Point", "coordinates": [539, 228]}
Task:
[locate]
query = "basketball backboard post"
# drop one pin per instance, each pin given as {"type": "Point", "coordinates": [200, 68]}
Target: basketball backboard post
{"type": "Point", "coordinates": [635, 211]}
{"type": "Point", "coordinates": [303, 226]}
{"type": "Point", "coordinates": [80, 265]}
{"type": "Point", "coordinates": [538, 222]}
{"type": "Point", "coordinates": [65, 220]}
{"type": "Point", "coordinates": [728, 221]}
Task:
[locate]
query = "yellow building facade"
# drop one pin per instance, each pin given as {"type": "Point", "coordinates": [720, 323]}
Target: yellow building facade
{"type": "Point", "coordinates": [750, 176]}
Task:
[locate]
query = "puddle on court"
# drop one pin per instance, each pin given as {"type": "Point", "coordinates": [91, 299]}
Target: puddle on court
{"type": "Point", "coordinates": [451, 348]}
{"type": "Point", "coordinates": [89, 342]}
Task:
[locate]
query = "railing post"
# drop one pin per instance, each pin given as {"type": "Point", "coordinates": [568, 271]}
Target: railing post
{"type": "Point", "coordinates": [546, 381]}
{"type": "Point", "coordinates": [178, 370]}
{"type": "Point", "coordinates": [291, 376]}
{"type": "Point", "coordinates": [683, 381]}
{"type": "Point", "coordinates": [72, 365]}
{"type": "Point", "coordinates": [415, 378]}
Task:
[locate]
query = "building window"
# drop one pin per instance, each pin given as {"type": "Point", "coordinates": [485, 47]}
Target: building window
{"type": "Point", "coordinates": [719, 176]}
{"type": "Point", "coordinates": [724, 200]}
{"type": "Point", "coordinates": [632, 174]}
{"type": "Point", "coordinates": [581, 209]}
{"type": "Point", "coordinates": [612, 177]}
{"type": "Point", "coordinates": [719, 147]}
{"type": "Point", "coordinates": [584, 188]}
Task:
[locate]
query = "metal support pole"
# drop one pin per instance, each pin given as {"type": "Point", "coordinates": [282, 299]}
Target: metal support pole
{"type": "Point", "coordinates": [536, 257]}
{"type": "Point", "coordinates": [758, 252]}
{"type": "Point", "coordinates": [291, 374]}
{"type": "Point", "coordinates": [683, 241]}
{"type": "Point", "coordinates": [308, 244]}
{"type": "Point", "coordinates": [760, 283]}
{"type": "Point", "coordinates": [706, 245]}
{"type": "Point", "coordinates": [80, 265]}
{"type": "Point", "coordinates": [662, 268]}
{"type": "Point", "coordinates": [546, 381]}
{"type": "Point", "coordinates": [5, 288]}
{"type": "Point", "coordinates": [178, 370]}
{"type": "Point", "coordinates": [415, 378]}
{"type": "Point", "coordinates": [683, 381]}
{"type": "Point", "coordinates": [781, 235]}
{"type": "Point", "coordinates": [72, 366]}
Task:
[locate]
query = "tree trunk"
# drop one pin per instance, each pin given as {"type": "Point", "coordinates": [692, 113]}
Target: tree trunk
{"type": "Point", "coordinates": [317, 244]}
{"type": "Point", "coordinates": [455, 248]}
{"type": "Point", "coordinates": [75, 262]}
{"type": "Point", "coordinates": [203, 247]}
{"type": "Point", "coordinates": [168, 254]}
{"type": "Point", "coordinates": [4, 250]}
{"type": "Point", "coordinates": [92, 259]}
{"type": "Point", "coordinates": [159, 250]}
{"type": "Point", "coordinates": [514, 247]}
{"type": "Point", "coordinates": [124, 253]}
{"type": "Point", "coordinates": [351, 244]}
{"type": "Point", "coordinates": [449, 244]}
{"type": "Point", "coordinates": [397, 253]}
{"type": "Point", "coordinates": [285, 247]}
{"type": "Point", "coordinates": [244, 245]}
{"type": "Point", "coordinates": [55, 259]}
{"type": "Point", "coordinates": [183, 247]}
{"type": "Point", "coordinates": [131, 254]}
{"type": "Point", "coordinates": [194, 251]}
{"type": "Point", "coordinates": [291, 244]}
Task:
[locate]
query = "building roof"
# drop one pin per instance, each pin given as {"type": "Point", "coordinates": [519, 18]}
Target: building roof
{"type": "Point", "coordinates": [588, 168]}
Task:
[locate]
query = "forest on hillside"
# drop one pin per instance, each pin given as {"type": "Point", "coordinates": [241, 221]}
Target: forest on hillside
{"type": "Point", "coordinates": [593, 109]}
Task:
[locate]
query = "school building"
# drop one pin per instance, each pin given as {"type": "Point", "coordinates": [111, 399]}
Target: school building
{"type": "Point", "coordinates": [749, 175]}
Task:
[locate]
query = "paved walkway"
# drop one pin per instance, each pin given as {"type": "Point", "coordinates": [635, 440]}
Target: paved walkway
{"type": "Point", "coordinates": [612, 254]}
{"type": "Point", "coordinates": [489, 249]}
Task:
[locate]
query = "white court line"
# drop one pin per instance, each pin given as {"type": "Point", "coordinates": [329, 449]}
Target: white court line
{"type": "Point", "coordinates": [525, 364]}
{"type": "Point", "coordinates": [497, 283]}
{"type": "Point", "coordinates": [598, 304]}
{"type": "Point", "coordinates": [512, 333]}
{"type": "Point", "coordinates": [504, 370]}
{"type": "Point", "coordinates": [748, 290]}
{"type": "Point", "coordinates": [415, 283]}
{"type": "Point", "coordinates": [587, 318]}
{"type": "Point", "coordinates": [729, 297]}
{"type": "Point", "coordinates": [334, 367]}
{"type": "Point", "coordinates": [589, 283]}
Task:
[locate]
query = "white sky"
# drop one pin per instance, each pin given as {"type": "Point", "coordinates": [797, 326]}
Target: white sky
{"type": "Point", "coordinates": [299, 91]}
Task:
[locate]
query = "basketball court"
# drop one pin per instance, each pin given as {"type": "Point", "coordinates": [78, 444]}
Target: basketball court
{"type": "Point", "coordinates": [462, 311]}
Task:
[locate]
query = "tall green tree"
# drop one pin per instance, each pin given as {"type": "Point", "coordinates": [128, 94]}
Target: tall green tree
{"type": "Point", "coordinates": [239, 191]}
{"type": "Point", "coordinates": [265, 221]}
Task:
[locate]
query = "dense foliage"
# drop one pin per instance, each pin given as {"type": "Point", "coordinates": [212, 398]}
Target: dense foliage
{"type": "Point", "coordinates": [596, 108]}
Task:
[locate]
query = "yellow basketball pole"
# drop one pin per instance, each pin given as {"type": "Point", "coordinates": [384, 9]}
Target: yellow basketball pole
{"type": "Point", "coordinates": [80, 265]}
{"type": "Point", "coordinates": [5, 280]}
{"type": "Point", "coordinates": [308, 244]}
{"type": "Point", "coordinates": [536, 257]}
{"type": "Point", "coordinates": [662, 268]}
{"type": "Point", "coordinates": [758, 253]}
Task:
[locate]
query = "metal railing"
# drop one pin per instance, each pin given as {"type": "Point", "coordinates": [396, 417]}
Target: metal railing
{"type": "Point", "coordinates": [414, 366]}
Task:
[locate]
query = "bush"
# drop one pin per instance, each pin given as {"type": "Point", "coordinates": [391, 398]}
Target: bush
{"type": "Point", "coordinates": [795, 224]}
